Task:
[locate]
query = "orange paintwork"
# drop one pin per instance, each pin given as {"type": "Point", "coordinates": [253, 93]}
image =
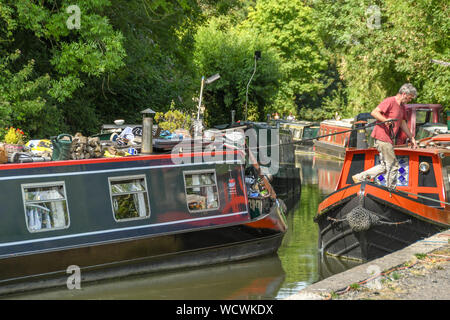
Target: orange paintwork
{"type": "Point", "coordinates": [425, 211]}
{"type": "Point", "coordinates": [441, 215]}
{"type": "Point", "coordinates": [338, 196]}
{"type": "Point", "coordinates": [441, 137]}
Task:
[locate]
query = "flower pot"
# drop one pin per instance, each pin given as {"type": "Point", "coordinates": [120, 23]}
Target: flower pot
{"type": "Point", "coordinates": [12, 148]}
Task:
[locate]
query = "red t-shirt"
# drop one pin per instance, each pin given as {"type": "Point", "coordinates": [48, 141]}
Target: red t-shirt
{"type": "Point", "coordinates": [391, 110]}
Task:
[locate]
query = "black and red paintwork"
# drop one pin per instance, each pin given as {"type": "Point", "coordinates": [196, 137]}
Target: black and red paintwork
{"type": "Point", "coordinates": [398, 217]}
{"type": "Point", "coordinates": [171, 237]}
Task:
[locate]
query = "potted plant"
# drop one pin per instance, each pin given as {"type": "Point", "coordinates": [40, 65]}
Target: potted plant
{"type": "Point", "coordinates": [14, 140]}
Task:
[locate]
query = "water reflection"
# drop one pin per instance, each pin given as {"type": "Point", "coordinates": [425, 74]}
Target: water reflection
{"type": "Point", "coordinates": [297, 265]}
{"type": "Point", "coordinates": [252, 279]}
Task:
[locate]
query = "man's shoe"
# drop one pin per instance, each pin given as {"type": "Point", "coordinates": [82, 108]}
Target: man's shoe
{"type": "Point", "coordinates": [356, 179]}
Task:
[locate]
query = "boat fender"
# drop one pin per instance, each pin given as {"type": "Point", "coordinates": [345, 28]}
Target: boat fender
{"type": "Point", "coordinates": [360, 219]}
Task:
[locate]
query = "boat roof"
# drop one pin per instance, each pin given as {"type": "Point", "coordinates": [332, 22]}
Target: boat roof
{"type": "Point", "coordinates": [342, 123]}
{"type": "Point", "coordinates": [423, 106]}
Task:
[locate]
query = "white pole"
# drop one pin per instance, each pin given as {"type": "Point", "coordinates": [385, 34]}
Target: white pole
{"type": "Point", "coordinates": [200, 99]}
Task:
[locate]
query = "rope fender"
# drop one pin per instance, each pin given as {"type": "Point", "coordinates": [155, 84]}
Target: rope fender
{"type": "Point", "coordinates": [362, 219]}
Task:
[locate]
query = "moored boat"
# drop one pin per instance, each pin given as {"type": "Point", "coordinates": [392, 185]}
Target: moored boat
{"type": "Point", "coordinates": [302, 133]}
{"type": "Point", "coordinates": [112, 217]}
{"type": "Point", "coordinates": [335, 142]}
{"type": "Point", "coordinates": [367, 220]}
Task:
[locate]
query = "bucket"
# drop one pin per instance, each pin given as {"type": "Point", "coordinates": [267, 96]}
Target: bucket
{"type": "Point", "coordinates": [61, 148]}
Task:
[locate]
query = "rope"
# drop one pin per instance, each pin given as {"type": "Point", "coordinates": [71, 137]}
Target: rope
{"type": "Point", "coordinates": [309, 139]}
{"type": "Point", "coordinates": [420, 196]}
{"type": "Point", "coordinates": [360, 128]}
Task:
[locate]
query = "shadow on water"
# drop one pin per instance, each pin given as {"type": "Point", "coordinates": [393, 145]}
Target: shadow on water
{"type": "Point", "coordinates": [297, 264]}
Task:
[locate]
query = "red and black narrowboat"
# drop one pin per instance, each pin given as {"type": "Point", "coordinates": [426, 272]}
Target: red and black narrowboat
{"type": "Point", "coordinates": [118, 216]}
{"type": "Point", "coordinates": [335, 143]}
{"type": "Point", "coordinates": [367, 220]}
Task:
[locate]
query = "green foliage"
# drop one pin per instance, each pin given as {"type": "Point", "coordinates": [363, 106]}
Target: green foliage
{"type": "Point", "coordinates": [290, 29]}
{"type": "Point", "coordinates": [420, 256]}
{"type": "Point", "coordinates": [229, 51]}
{"type": "Point", "coordinates": [377, 49]}
{"type": "Point", "coordinates": [56, 61]}
{"type": "Point", "coordinates": [19, 91]}
{"type": "Point", "coordinates": [173, 119]}
{"type": "Point", "coordinates": [319, 57]}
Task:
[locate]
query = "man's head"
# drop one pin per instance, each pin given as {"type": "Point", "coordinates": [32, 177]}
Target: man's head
{"type": "Point", "coordinates": [407, 92]}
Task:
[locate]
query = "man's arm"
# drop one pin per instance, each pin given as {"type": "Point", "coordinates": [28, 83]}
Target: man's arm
{"type": "Point", "coordinates": [378, 115]}
{"type": "Point", "coordinates": [405, 128]}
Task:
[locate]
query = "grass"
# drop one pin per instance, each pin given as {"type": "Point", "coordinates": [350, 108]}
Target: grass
{"type": "Point", "coordinates": [355, 286]}
{"type": "Point", "coordinates": [395, 276]}
{"type": "Point", "coordinates": [420, 256]}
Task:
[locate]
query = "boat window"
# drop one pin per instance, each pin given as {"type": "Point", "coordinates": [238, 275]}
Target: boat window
{"type": "Point", "coordinates": [45, 206]}
{"type": "Point", "coordinates": [201, 190]}
{"type": "Point", "coordinates": [129, 198]}
{"type": "Point", "coordinates": [423, 116]}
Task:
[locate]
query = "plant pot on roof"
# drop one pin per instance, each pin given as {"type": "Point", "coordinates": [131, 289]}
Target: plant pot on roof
{"type": "Point", "coordinates": [14, 140]}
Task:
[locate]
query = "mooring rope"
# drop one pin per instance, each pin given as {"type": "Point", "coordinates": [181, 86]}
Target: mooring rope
{"type": "Point", "coordinates": [378, 222]}
{"type": "Point", "coordinates": [350, 130]}
{"type": "Point", "coordinates": [420, 196]}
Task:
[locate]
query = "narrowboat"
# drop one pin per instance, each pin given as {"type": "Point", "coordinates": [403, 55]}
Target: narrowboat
{"type": "Point", "coordinates": [366, 220]}
{"type": "Point", "coordinates": [302, 133]}
{"type": "Point", "coordinates": [333, 145]}
{"type": "Point", "coordinates": [113, 217]}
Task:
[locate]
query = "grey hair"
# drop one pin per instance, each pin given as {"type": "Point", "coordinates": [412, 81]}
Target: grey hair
{"type": "Point", "coordinates": [408, 88]}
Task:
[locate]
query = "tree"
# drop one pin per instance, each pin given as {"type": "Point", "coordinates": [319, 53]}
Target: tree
{"type": "Point", "coordinates": [229, 51]}
{"type": "Point", "coordinates": [62, 44]}
{"type": "Point", "coordinates": [290, 29]}
{"type": "Point", "coordinates": [379, 46]}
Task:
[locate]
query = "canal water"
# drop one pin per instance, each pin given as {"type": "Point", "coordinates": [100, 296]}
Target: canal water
{"type": "Point", "coordinates": [297, 264]}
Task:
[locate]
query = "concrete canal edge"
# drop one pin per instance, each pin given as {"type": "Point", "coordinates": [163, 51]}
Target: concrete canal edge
{"type": "Point", "coordinates": [322, 290]}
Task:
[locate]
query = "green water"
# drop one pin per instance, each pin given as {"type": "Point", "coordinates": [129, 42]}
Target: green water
{"type": "Point", "coordinates": [296, 265]}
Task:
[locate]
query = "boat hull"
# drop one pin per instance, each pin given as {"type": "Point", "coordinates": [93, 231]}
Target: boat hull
{"type": "Point", "coordinates": [144, 254]}
{"type": "Point", "coordinates": [389, 228]}
{"type": "Point", "coordinates": [329, 149]}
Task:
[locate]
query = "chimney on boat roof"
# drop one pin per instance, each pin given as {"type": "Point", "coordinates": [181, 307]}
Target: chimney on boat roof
{"type": "Point", "coordinates": [361, 139]}
{"type": "Point", "coordinates": [147, 131]}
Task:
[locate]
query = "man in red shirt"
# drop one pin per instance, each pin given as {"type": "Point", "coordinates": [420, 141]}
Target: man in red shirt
{"type": "Point", "coordinates": [391, 108]}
